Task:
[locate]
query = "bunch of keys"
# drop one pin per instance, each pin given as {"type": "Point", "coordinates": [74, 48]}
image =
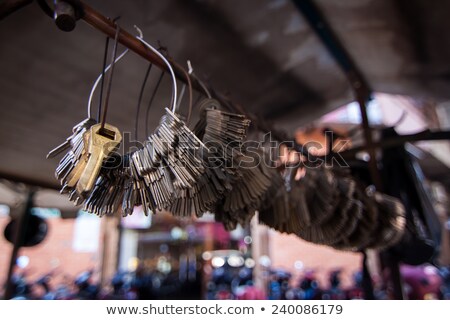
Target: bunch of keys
{"type": "Point", "coordinates": [74, 160]}
{"type": "Point", "coordinates": [391, 221]}
{"type": "Point", "coordinates": [90, 145]}
{"type": "Point", "coordinates": [209, 186]}
{"type": "Point", "coordinates": [367, 225]}
{"type": "Point", "coordinates": [202, 196]}
{"type": "Point", "coordinates": [106, 194]}
{"type": "Point", "coordinates": [225, 132]}
{"type": "Point", "coordinates": [184, 152]}
{"type": "Point", "coordinates": [215, 182]}
{"type": "Point", "coordinates": [169, 166]}
{"type": "Point", "coordinates": [249, 191]}
{"type": "Point", "coordinates": [326, 207]}
{"type": "Point", "coordinates": [321, 192]}
{"type": "Point", "coordinates": [278, 210]}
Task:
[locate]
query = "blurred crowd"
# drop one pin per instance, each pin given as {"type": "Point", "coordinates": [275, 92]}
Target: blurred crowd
{"type": "Point", "coordinates": [422, 282]}
{"type": "Point", "coordinates": [227, 283]}
{"type": "Point", "coordinates": [140, 284]}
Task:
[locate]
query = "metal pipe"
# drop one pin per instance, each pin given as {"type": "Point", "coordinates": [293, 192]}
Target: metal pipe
{"type": "Point", "coordinates": [107, 26]}
{"type": "Point", "coordinates": [426, 135]}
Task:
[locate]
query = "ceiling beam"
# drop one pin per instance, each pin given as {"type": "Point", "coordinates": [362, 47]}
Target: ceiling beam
{"type": "Point", "coordinates": [326, 34]}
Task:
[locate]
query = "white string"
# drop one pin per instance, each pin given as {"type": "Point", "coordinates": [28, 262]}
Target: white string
{"type": "Point", "coordinates": [174, 79]}
{"type": "Point", "coordinates": [94, 87]}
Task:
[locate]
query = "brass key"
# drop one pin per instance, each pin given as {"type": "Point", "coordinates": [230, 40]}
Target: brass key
{"type": "Point", "coordinates": [75, 174]}
{"type": "Point", "coordinates": [102, 142]}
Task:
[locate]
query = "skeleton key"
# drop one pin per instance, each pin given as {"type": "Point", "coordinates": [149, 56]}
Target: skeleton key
{"type": "Point", "coordinates": [102, 142]}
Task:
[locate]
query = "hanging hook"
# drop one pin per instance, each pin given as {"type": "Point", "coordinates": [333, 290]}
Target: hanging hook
{"type": "Point", "coordinates": [105, 56]}
{"type": "Point", "coordinates": [191, 72]}
{"type": "Point", "coordinates": [155, 90]}
{"type": "Point", "coordinates": [141, 35]}
{"type": "Point", "coordinates": [108, 89]}
{"type": "Point", "coordinates": [190, 69]}
{"type": "Point", "coordinates": [101, 77]}
{"type": "Point", "coordinates": [189, 84]}
{"type": "Point", "coordinates": [190, 92]}
{"type": "Point", "coordinates": [174, 79]}
{"type": "Point", "coordinates": [141, 94]}
{"type": "Point", "coordinates": [94, 87]}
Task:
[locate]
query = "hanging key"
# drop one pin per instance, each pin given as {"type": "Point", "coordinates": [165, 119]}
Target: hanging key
{"type": "Point", "coordinates": [102, 142]}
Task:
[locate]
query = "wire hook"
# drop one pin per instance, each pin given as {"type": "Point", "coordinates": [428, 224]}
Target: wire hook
{"type": "Point", "coordinates": [100, 78]}
{"type": "Point", "coordinates": [174, 79]}
{"type": "Point", "coordinates": [108, 89]}
{"type": "Point", "coordinates": [191, 72]}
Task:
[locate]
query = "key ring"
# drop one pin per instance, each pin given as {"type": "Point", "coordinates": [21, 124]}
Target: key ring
{"type": "Point", "coordinates": [189, 84]}
{"type": "Point", "coordinates": [174, 79]}
{"type": "Point", "coordinates": [101, 75]}
{"type": "Point", "coordinates": [99, 78]}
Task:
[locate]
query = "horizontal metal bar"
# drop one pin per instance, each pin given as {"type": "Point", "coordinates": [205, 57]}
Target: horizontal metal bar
{"type": "Point", "coordinates": [426, 135]}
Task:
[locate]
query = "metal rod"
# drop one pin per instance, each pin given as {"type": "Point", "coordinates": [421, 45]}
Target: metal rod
{"type": "Point", "coordinates": [102, 83]}
{"type": "Point", "coordinates": [426, 135]}
{"type": "Point", "coordinates": [110, 78]}
{"type": "Point", "coordinates": [331, 41]}
{"type": "Point", "coordinates": [105, 25]}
